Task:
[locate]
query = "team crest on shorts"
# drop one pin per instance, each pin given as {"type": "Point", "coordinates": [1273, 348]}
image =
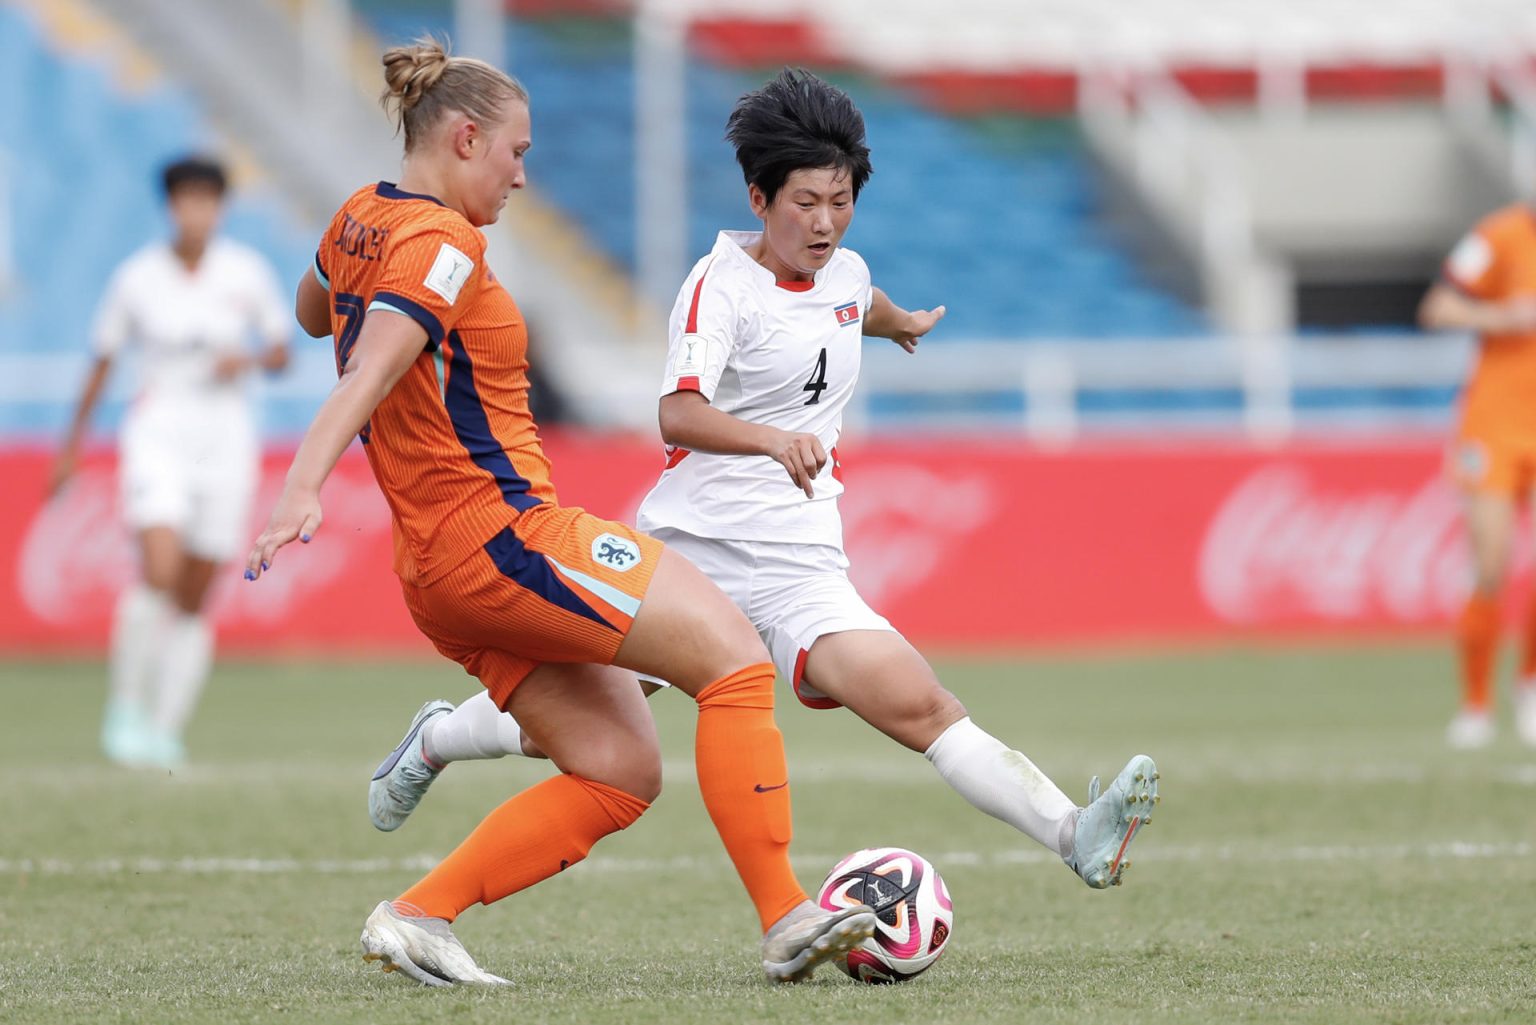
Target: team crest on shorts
{"type": "Point", "coordinates": [615, 552]}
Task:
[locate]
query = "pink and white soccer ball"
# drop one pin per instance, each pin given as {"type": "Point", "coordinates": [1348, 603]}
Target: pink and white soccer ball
{"type": "Point", "coordinates": [911, 903]}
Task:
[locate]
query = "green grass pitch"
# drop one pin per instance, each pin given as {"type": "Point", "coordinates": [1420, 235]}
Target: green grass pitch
{"type": "Point", "coordinates": [1319, 856]}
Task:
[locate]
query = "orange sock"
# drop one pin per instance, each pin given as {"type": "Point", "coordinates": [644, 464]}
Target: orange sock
{"type": "Point", "coordinates": [1477, 636]}
{"type": "Point", "coordinates": [541, 831]}
{"type": "Point", "coordinates": [739, 754]}
{"type": "Point", "coordinates": [1528, 649]}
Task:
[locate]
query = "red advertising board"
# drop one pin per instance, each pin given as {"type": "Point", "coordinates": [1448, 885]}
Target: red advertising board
{"type": "Point", "coordinates": [959, 541]}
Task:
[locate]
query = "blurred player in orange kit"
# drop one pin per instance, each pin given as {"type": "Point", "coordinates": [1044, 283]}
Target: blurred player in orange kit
{"type": "Point", "coordinates": [1488, 285]}
{"type": "Point", "coordinates": [543, 604]}
{"type": "Point", "coordinates": [190, 306]}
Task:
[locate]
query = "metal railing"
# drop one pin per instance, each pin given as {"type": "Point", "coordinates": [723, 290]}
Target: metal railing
{"type": "Point", "coordinates": [1059, 392]}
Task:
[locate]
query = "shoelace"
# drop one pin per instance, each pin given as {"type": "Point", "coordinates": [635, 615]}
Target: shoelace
{"type": "Point", "coordinates": [414, 771]}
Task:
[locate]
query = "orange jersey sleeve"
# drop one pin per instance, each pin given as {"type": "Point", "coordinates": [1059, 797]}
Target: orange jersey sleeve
{"type": "Point", "coordinates": [1473, 267]}
{"type": "Point", "coordinates": [433, 275]}
{"type": "Point", "coordinates": [1496, 262]}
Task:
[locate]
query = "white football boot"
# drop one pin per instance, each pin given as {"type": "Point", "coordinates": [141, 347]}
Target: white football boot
{"type": "Point", "coordinates": [809, 935]}
{"type": "Point", "coordinates": [1107, 826]}
{"type": "Point", "coordinates": [1525, 712]}
{"type": "Point", "coordinates": [1470, 730]}
{"type": "Point", "coordinates": [123, 728]}
{"type": "Point", "coordinates": [424, 949]}
{"type": "Point", "coordinates": [402, 779]}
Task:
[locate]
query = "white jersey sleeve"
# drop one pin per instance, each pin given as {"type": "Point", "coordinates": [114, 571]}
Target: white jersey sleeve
{"type": "Point", "coordinates": [113, 326]}
{"type": "Point", "coordinates": [702, 333]}
{"type": "Point", "coordinates": [270, 316]}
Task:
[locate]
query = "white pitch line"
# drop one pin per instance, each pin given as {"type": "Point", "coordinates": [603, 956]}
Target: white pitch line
{"type": "Point", "coordinates": [1446, 851]}
{"type": "Point", "coordinates": [810, 772]}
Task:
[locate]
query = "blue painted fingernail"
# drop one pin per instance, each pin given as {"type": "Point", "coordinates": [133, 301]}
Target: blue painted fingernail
{"type": "Point", "coordinates": [250, 574]}
{"type": "Point", "coordinates": [263, 565]}
{"type": "Point", "coordinates": [304, 538]}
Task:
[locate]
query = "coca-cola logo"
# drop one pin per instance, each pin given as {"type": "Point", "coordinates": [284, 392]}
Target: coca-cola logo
{"type": "Point", "coordinates": [897, 535]}
{"type": "Point", "coordinates": [1283, 547]}
{"type": "Point", "coordinates": [76, 556]}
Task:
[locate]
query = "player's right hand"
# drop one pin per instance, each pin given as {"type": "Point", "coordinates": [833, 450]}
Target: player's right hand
{"type": "Point", "coordinates": [297, 516]}
{"type": "Point", "coordinates": [800, 454]}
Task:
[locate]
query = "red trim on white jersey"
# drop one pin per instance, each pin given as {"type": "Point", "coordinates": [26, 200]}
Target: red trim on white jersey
{"type": "Point", "coordinates": [821, 701]}
{"type": "Point", "coordinates": [837, 467]}
{"type": "Point", "coordinates": [675, 456]}
{"type": "Point", "coordinates": [690, 383]}
{"type": "Point", "coordinates": [692, 326]}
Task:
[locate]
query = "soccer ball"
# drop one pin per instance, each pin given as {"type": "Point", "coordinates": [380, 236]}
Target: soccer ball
{"type": "Point", "coordinates": [911, 903]}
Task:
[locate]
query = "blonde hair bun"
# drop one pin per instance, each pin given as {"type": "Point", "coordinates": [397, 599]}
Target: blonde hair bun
{"type": "Point", "coordinates": [423, 83]}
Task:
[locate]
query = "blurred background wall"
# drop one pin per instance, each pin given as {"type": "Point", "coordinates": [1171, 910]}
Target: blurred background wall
{"type": "Point", "coordinates": [1179, 391]}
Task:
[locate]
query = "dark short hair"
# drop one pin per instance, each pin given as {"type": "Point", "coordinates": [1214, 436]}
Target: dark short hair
{"type": "Point", "coordinates": [194, 171]}
{"type": "Point", "coordinates": [797, 121]}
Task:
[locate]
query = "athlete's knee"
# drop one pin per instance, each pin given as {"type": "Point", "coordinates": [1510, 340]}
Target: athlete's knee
{"type": "Point", "coordinates": [641, 778]}
{"type": "Point", "coordinates": [163, 575]}
{"type": "Point", "coordinates": [188, 600]}
{"type": "Point", "coordinates": [624, 763]}
{"type": "Point", "coordinates": [748, 687]}
{"type": "Point", "coordinates": [623, 807]}
{"type": "Point", "coordinates": [530, 747]}
{"type": "Point", "coordinates": [939, 707]}
{"type": "Point", "coordinates": [922, 718]}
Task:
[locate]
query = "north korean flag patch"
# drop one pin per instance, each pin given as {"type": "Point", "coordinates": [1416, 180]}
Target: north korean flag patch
{"type": "Point", "coordinates": [848, 313]}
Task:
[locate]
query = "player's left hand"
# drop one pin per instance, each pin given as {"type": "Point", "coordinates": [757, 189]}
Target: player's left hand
{"type": "Point", "coordinates": [919, 323]}
{"type": "Point", "coordinates": [231, 366]}
{"type": "Point", "coordinates": [297, 516]}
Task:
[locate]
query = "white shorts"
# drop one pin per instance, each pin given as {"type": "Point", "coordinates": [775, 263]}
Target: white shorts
{"type": "Point", "coordinates": [193, 473]}
{"type": "Point", "coordinates": [792, 594]}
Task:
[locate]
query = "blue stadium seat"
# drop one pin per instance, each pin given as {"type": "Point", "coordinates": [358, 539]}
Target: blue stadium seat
{"type": "Point", "coordinates": [947, 218]}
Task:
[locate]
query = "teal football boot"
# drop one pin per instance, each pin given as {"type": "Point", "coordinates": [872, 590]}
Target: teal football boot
{"type": "Point", "coordinates": [1107, 826]}
{"type": "Point", "coordinates": [402, 779]}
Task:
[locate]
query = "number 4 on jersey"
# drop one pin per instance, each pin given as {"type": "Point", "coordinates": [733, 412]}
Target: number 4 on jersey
{"type": "Point", "coordinates": [818, 382]}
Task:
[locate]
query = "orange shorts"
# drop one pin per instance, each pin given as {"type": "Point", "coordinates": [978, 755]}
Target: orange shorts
{"type": "Point", "coordinates": [558, 585]}
{"type": "Point", "coordinates": [1490, 464]}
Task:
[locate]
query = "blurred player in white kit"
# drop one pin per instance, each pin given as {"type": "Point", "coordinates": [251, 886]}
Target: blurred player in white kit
{"type": "Point", "coordinates": [192, 305]}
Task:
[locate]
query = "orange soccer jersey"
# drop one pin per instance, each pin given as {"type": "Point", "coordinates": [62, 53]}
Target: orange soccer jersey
{"type": "Point", "coordinates": [496, 574]}
{"type": "Point", "coordinates": [453, 446]}
{"type": "Point", "coordinates": [1496, 447]}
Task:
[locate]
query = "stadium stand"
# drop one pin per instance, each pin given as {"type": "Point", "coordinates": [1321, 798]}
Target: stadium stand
{"type": "Point", "coordinates": [1000, 217]}
{"type": "Point", "coordinates": [989, 195]}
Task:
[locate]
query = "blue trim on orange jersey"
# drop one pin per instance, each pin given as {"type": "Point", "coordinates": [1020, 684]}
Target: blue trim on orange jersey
{"type": "Point", "coordinates": [389, 190]}
{"type": "Point", "coordinates": [417, 312]}
{"type": "Point", "coordinates": [531, 571]}
{"type": "Point", "coordinates": [320, 275]}
{"type": "Point", "coordinates": [473, 428]}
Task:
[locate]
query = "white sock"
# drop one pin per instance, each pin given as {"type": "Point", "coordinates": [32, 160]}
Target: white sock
{"type": "Point", "coordinates": [138, 628]}
{"type": "Point", "coordinates": [1004, 784]}
{"type": "Point", "coordinates": [184, 670]}
{"type": "Point", "coordinates": [476, 729]}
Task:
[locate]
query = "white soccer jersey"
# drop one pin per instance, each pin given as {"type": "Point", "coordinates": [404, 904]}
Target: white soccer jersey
{"type": "Point", "coordinates": [770, 355]}
{"type": "Point", "coordinates": [183, 321]}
